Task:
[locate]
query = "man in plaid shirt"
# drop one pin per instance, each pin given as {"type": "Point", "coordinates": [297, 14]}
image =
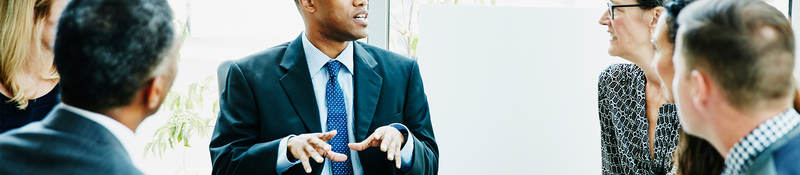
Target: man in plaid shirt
{"type": "Point", "coordinates": [733, 83]}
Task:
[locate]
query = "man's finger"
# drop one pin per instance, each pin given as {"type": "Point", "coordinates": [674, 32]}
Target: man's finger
{"type": "Point", "coordinates": [393, 149]}
{"type": "Point", "coordinates": [385, 143]}
{"type": "Point", "coordinates": [320, 145]}
{"type": "Point", "coordinates": [395, 146]}
{"type": "Point", "coordinates": [361, 146]}
{"type": "Point", "coordinates": [375, 143]}
{"type": "Point", "coordinates": [358, 146]}
{"type": "Point", "coordinates": [336, 157]}
{"type": "Point", "coordinates": [314, 154]}
{"type": "Point", "coordinates": [379, 134]}
{"type": "Point", "coordinates": [303, 157]}
{"type": "Point", "coordinates": [397, 159]}
{"type": "Point", "coordinates": [327, 135]}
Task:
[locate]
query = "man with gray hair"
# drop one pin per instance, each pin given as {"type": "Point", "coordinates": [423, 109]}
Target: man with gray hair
{"type": "Point", "coordinates": [733, 83]}
{"type": "Point", "coordinates": [116, 59]}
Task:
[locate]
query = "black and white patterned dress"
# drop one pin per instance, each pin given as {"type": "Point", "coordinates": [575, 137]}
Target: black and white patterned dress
{"type": "Point", "coordinates": [623, 120]}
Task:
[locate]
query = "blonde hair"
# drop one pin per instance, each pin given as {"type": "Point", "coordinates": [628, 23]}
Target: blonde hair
{"type": "Point", "coordinates": [21, 26]}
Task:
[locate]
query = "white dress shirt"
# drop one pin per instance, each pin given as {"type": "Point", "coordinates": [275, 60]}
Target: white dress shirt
{"type": "Point", "coordinates": [316, 60]}
{"type": "Point", "coordinates": [123, 134]}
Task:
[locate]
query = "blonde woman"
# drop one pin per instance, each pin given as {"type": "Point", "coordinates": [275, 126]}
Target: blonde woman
{"type": "Point", "coordinates": [28, 80]}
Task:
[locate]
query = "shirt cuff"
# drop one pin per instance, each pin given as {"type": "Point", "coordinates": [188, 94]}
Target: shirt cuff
{"type": "Point", "coordinates": [407, 152]}
{"type": "Point", "coordinates": [283, 163]}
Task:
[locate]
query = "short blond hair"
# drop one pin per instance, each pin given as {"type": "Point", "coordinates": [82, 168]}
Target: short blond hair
{"type": "Point", "coordinates": [21, 25]}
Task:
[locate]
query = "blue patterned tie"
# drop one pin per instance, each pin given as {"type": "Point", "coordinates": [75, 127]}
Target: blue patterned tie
{"type": "Point", "coordinates": [337, 119]}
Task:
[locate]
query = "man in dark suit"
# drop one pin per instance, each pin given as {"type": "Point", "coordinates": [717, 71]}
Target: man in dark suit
{"type": "Point", "coordinates": [325, 104]}
{"type": "Point", "coordinates": [116, 62]}
{"type": "Point", "coordinates": [734, 87]}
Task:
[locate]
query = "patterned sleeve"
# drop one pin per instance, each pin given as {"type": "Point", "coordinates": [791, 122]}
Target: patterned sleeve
{"type": "Point", "coordinates": [607, 140]}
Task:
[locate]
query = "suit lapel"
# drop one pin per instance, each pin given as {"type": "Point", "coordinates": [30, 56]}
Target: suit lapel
{"type": "Point", "coordinates": [367, 90]}
{"type": "Point", "coordinates": [297, 85]}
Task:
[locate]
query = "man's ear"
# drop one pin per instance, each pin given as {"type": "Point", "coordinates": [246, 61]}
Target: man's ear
{"type": "Point", "coordinates": [700, 89]}
{"type": "Point", "coordinates": [309, 6]}
{"type": "Point", "coordinates": [154, 90]}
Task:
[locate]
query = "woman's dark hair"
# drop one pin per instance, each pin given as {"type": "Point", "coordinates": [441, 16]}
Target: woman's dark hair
{"type": "Point", "coordinates": [649, 4]}
{"type": "Point", "coordinates": [696, 156]}
{"type": "Point", "coordinates": [673, 8]}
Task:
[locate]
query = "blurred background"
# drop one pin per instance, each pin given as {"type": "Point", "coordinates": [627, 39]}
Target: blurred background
{"type": "Point", "coordinates": [495, 72]}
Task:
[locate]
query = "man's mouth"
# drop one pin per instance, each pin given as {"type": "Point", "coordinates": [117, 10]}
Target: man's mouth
{"type": "Point", "coordinates": [361, 17]}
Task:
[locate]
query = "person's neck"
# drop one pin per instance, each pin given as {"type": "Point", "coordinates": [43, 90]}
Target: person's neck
{"type": "Point", "coordinates": [35, 76]}
{"type": "Point", "coordinates": [736, 124]}
{"type": "Point", "coordinates": [643, 60]}
{"type": "Point", "coordinates": [39, 64]}
{"type": "Point", "coordinates": [127, 116]}
{"type": "Point", "coordinates": [330, 47]}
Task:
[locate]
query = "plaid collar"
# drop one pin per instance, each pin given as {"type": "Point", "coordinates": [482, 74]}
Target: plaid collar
{"type": "Point", "coordinates": [741, 156]}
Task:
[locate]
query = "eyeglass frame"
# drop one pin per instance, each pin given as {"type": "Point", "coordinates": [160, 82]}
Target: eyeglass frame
{"type": "Point", "coordinates": [611, 7]}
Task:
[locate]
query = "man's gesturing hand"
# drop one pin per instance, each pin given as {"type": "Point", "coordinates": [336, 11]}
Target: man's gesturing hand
{"type": "Point", "coordinates": [388, 138]}
{"type": "Point", "coordinates": [313, 145]}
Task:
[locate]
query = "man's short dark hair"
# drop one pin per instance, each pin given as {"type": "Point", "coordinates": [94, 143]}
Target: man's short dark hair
{"type": "Point", "coordinates": [106, 50]}
{"type": "Point", "coordinates": [746, 45]}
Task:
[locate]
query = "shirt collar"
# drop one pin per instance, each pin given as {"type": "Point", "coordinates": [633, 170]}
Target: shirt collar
{"type": "Point", "coordinates": [316, 59]}
{"type": "Point", "coordinates": [123, 134]}
{"type": "Point", "coordinates": [741, 156]}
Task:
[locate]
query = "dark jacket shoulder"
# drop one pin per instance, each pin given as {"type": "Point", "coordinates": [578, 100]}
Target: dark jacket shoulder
{"type": "Point", "coordinates": [388, 61]}
{"type": "Point", "coordinates": [260, 60]}
{"type": "Point", "coordinates": [63, 143]}
{"type": "Point", "coordinates": [383, 54]}
{"type": "Point", "coordinates": [781, 157]}
{"type": "Point", "coordinates": [787, 158]}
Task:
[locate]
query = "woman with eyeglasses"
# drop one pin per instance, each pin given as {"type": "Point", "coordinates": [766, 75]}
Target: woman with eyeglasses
{"type": "Point", "coordinates": [639, 126]}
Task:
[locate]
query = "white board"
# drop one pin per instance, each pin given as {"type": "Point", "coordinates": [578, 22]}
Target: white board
{"type": "Point", "coordinates": [514, 90]}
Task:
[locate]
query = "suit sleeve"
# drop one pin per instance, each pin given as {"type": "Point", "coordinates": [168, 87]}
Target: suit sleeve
{"type": "Point", "coordinates": [417, 118]}
{"type": "Point", "coordinates": [235, 145]}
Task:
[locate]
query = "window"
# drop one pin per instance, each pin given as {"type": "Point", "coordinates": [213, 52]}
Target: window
{"type": "Point", "coordinates": [219, 31]}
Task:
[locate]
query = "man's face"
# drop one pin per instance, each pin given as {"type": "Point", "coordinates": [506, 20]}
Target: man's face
{"type": "Point", "coordinates": [342, 20]}
{"type": "Point", "coordinates": [681, 87]}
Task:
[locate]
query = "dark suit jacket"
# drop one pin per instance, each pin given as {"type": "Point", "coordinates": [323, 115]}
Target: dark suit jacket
{"type": "Point", "coordinates": [781, 157]}
{"type": "Point", "coordinates": [269, 96]}
{"type": "Point", "coordinates": [63, 143]}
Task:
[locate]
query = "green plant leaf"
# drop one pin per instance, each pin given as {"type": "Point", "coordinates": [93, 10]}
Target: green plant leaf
{"type": "Point", "coordinates": [187, 117]}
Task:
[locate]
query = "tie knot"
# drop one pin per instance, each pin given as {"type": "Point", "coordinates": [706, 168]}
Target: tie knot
{"type": "Point", "coordinates": [333, 67]}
